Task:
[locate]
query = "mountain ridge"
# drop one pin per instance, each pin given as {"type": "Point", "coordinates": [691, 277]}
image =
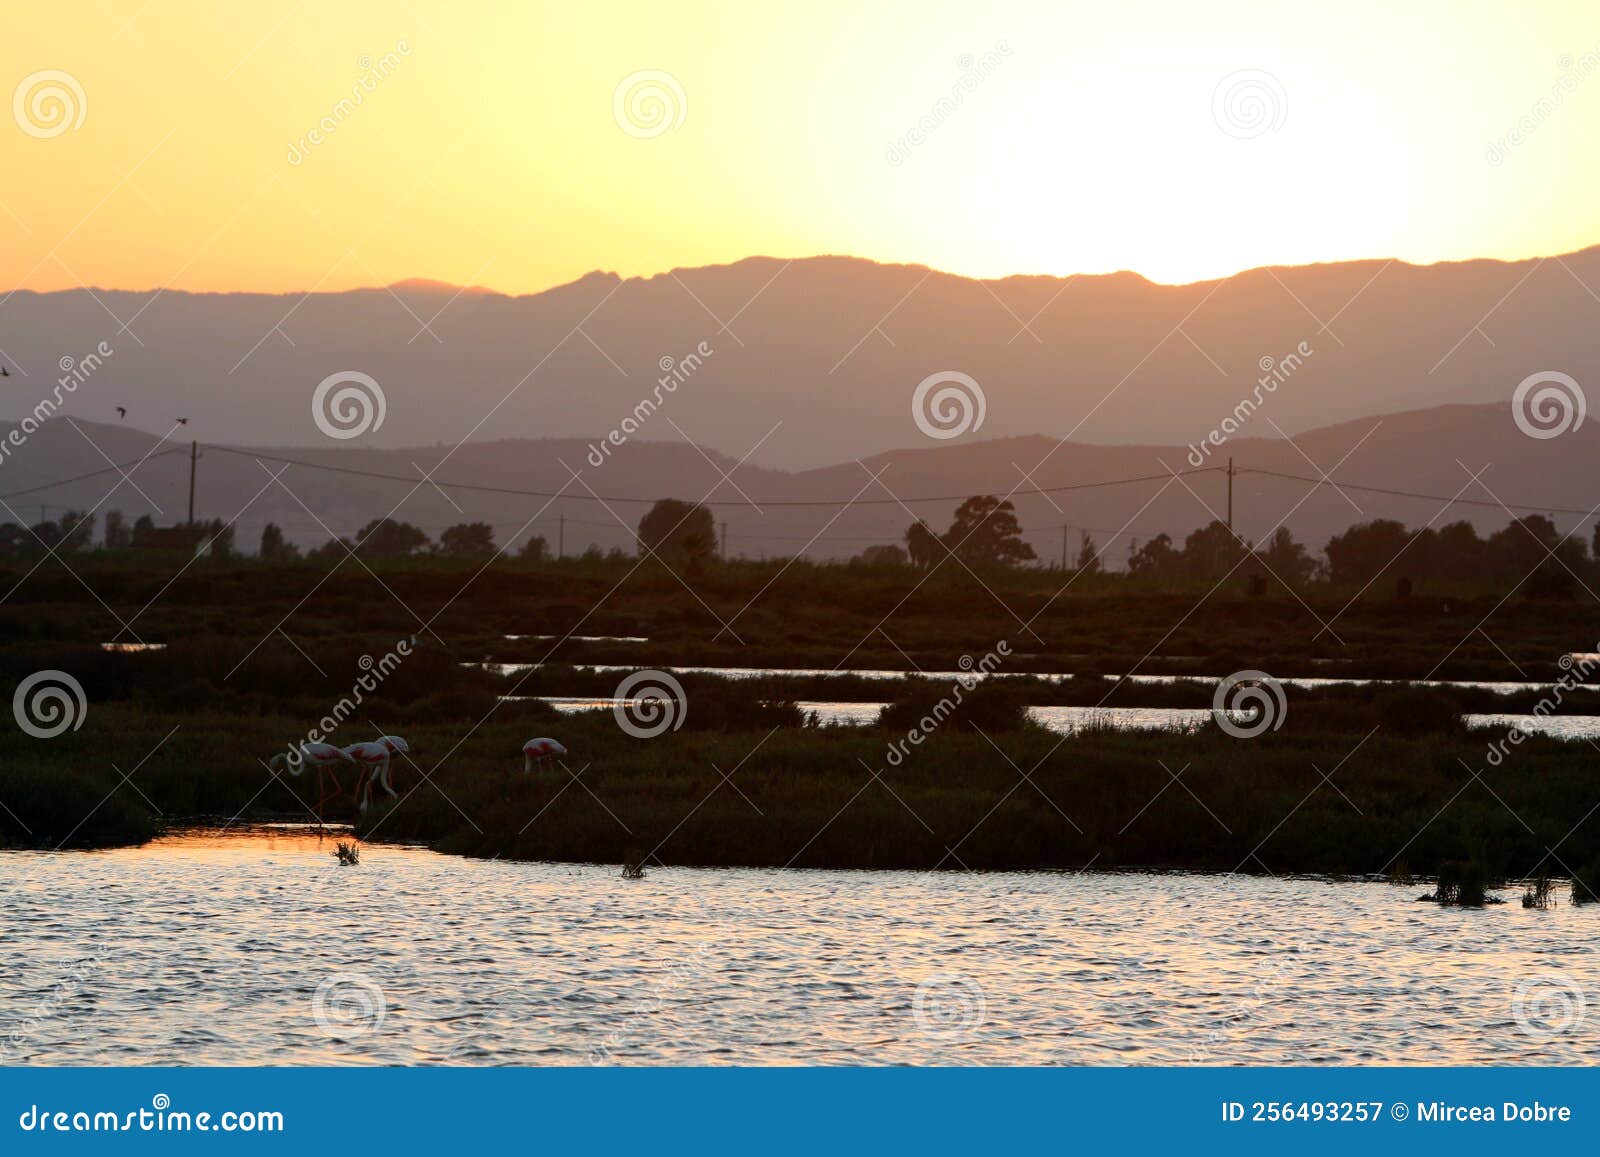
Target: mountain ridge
{"type": "Point", "coordinates": [818, 360]}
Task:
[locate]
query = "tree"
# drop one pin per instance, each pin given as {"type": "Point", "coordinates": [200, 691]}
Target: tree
{"type": "Point", "coordinates": [468, 540]}
{"type": "Point", "coordinates": [675, 530]}
{"type": "Point", "coordinates": [922, 544]}
{"type": "Point", "coordinates": [986, 533]}
{"type": "Point", "coordinates": [77, 530]}
{"type": "Point", "coordinates": [216, 539]}
{"type": "Point", "coordinates": [1287, 558]}
{"type": "Point", "coordinates": [116, 535]}
{"type": "Point", "coordinates": [1362, 552]}
{"type": "Point", "coordinates": [274, 547]}
{"type": "Point", "coordinates": [533, 550]}
{"type": "Point", "coordinates": [1088, 558]}
{"type": "Point", "coordinates": [47, 534]}
{"type": "Point", "coordinates": [388, 538]}
{"type": "Point", "coordinates": [1212, 551]}
{"type": "Point", "coordinates": [1156, 559]}
{"type": "Point", "coordinates": [331, 551]}
{"type": "Point", "coordinates": [14, 540]}
{"type": "Point", "coordinates": [882, 556]}
{"type": "Point", "coordinates": [143, 527]}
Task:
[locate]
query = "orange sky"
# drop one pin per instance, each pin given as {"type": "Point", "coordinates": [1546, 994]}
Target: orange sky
{"type": "Point", "coordinates": [172, 143]}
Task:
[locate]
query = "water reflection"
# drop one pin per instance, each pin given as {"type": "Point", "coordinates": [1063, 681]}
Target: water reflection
{"type": "Point", "coordinates": [210, 948]}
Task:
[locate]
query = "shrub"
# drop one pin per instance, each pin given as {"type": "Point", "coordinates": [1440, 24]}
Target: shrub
{"type": "Point", "coordinates": [987, 706]}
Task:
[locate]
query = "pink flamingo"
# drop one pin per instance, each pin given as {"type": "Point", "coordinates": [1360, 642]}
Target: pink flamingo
{"type": "Point", "coordinates": [376, 754]}
{"type": "Point", "coordinates": [325, 757]}
{"type": "Point", "coordinates": [310, 755]}
{"type": "Point", "coordinates": [538, 750]}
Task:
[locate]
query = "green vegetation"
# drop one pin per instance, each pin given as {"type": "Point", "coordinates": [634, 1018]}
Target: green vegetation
{"type": "Point", "coordinates": [262, 650]}
{"type": "Point", "coordinates": [801, 615]}
{"type": "Point", "coordinates": [744, 783]}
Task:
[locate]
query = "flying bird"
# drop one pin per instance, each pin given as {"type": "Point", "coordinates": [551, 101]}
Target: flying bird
{"type": "Point", "coordinates": [4, 373]}
{"type": "Point", "coordinates": [122, 411]}
{"type": "Point", "coordinates": [183, 421]}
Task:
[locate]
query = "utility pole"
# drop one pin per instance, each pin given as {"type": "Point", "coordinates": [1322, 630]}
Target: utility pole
{"type": "Point", "coordinates": [1064, 530]}
{"type": "Point", "coordinates": [1230, 494]}
{"type": "Point", "coordinates": [194, 453]}
{"type": "Point", "coordinates": [561, 537]}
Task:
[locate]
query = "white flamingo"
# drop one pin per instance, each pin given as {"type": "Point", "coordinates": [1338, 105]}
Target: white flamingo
{"type": "Point", "coordinates": [376, 754]}
{"type": "Point", "coordinates": [538, 750]}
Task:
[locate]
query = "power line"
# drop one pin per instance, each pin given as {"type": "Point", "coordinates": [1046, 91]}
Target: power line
{"type": "Point", "coordinates": [124, 467]}
{"type": "Point", "coordinates": [582, 497]}
{"type": "Point", "coordinates": [1496, 505]}
{"type": "Point", "coordinates": [118, 469]}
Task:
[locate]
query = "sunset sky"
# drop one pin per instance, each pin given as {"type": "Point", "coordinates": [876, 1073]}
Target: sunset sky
{"type": "Point", "coordinates": [1180, 140]}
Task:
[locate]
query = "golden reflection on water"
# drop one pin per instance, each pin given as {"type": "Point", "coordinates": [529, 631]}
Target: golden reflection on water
{"type": "Point", "coordinates": [254, 946]}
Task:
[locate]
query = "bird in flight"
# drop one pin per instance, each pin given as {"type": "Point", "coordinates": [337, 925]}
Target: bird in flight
{"type": "Point", "coordinates": [4, 373]}
{"type": "Point", "coordinates": [183, 421]}
{"type": "Point", "coordinates": [122, 411]}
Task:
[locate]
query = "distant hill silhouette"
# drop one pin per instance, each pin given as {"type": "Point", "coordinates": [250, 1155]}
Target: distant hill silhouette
{"type": "Point", "coordinates": [1427, 451]}
{"type": "Point", "coordinates": [830, 347]}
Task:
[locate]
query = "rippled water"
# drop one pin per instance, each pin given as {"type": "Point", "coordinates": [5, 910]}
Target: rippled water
{"type": "Point", "coordinates": [211, 948]}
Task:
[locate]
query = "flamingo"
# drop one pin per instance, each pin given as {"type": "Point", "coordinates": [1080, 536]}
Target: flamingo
{"type": "Point", "coordinates": [376, 754]}
{"type": "Point", "coordinates": [316, 755]}
{"type": "Point", "coordinates": [538, 750]}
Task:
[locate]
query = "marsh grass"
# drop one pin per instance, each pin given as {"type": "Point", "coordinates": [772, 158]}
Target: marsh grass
{"type": "Point", "coordinates": [198, 733]}
{"type": "Point", "coordinates": [801, 613]}
{"type": "Point", "coordinates": [1539, 894]}
{"type": "Point", "coordinates": [1462, 884]}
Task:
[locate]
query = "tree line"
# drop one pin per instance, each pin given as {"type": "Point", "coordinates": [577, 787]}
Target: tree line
{"type": "Point", "coordinates": [983, 533]}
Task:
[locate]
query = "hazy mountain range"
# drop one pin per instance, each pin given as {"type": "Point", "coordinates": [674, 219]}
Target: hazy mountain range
{"type": "Point", "coordinates": [815, 361]}
{"type": "Point", "coordinates": [1433, 451]}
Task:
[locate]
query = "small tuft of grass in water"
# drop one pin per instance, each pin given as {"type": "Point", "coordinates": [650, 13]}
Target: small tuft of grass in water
{"type": "Point", "coordinates": [1586, 884]}
{"type": "Point", "coordinates": [1539, 894]}
{"type": "Point", "coordinates": [347, 853]}
{"type": "Point", "coordinates": [1462, 884]}
{"type": "Point", "coordinates": [633, 864]}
